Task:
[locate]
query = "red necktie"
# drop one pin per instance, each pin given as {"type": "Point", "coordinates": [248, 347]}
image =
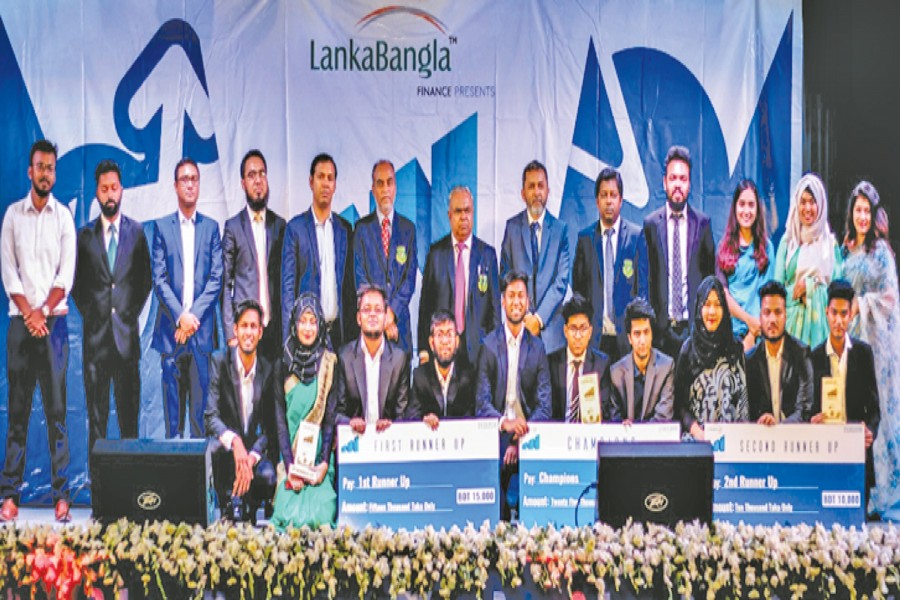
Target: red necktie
{"type": "Point", "coordinates": [386, 235]}
{"type": "Point", "coordinates": [459, 304]}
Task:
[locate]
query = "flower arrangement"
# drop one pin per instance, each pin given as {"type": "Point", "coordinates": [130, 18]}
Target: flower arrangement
{"type": "Point", "coordinates": [163, 559]}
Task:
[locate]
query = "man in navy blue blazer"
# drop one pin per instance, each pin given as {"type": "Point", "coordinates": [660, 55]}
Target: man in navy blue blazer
{"type": "Point", "coordinates": [384, 254]}
{"type": "Point", "coordinates": [251, 257]}
{"type": "Point", "coordinates": [608, 258]}
{"type": "Point", "coordinates": [112, 284]}
{"type": "Point", "coordinates": [316, 258]}
{"type": "Point", "coordinates": [187, 277]}
{"type": "Point", "coordinates": [537, 244]}
{"type": "Point", "coordinates": [680, 267]}
{"type": "Point", "coordinates": [460, 278]}
{"type": "Point", "coordinates": [514, 394]}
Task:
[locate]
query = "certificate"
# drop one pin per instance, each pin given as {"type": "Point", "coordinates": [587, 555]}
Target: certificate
{"type": "Point", "coordinates": [832, 401]}
{"type": "Point", "coordinates": [589, 389]}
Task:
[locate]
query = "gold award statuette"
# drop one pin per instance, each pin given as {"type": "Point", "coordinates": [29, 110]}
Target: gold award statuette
{"type": "Point", "coordinates": [832, 406]}
{"type": "Point", "coordinates": [589, 390]}
{"type": "Point", "coordinates": [305, 445]}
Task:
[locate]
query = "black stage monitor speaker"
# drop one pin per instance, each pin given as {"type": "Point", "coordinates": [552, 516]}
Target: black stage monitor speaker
{"type": "Point", "coordinates": [152, 480]}
{"type": "Point", "coordinates": [657, 482]}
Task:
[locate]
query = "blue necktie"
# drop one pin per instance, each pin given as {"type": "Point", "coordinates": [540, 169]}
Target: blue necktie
{"type": "Point", "coordinates": [534, 263]}
{"type": "Point", "coordinates": [608, 275]}
{"type": "Point", "coordinates": [113, 246]}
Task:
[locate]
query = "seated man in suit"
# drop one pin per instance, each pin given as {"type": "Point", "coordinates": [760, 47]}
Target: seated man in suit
{"type": "Point", "coordinates": [851, 362]}
{"type": "Point", "coordinates": [373, 372]}
{"type": "Point", "coordinates": [643, 382]}
{"type": "Point", "coordinates": [513, 382]}
{"type": "Point", "coordinates": [240, 423]}
{"type": "Point", "coordinates": [576, 359]}
{"type": "Point", "coordinates": [779, 374]}
{"type": "Point", "coordinates": [445, 389]}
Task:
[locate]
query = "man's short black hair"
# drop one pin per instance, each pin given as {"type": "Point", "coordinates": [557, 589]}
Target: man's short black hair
{"type": "Point", "coordinates": [510, 277]}
{"type": "Point", "coordinates": [45, 146]}
{"type": "Point", "coordinates": [322, 157]}
{"type": "Point", "coordinates": [534, 165]}
{"type": "Point", "coordinates": [678, 153]}
{"type": "Point", "coordinates": [773, 287]}
{"type": "Point", "coordinates": [608, 174]}
{"type": "Point", "coordinates": [187, 160]}
{"type": "Point", "coordinates": [250, 155]}
{"type": "Point", "coordinates": [441, 316]}
{"type": "Point", "coordinates": [245, 305]}
{"type": "Point", "coordinates": [364, 289]}
{"type": "Point", "coordinates": [576, 305]}
{"type": "Point", "coordinates": [638, 309]}
{"type": "Point", "coordinates": [104, 167]}
{"type": "Point", "coordinates": [840, 289]}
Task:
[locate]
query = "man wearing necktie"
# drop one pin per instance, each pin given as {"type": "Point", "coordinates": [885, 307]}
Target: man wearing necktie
{"type": "Point", "coordinates": [384, 254]}
{"type": "Point", "coordinates": [537, 244]}
{"type": "Point", "coordinates": [251, 257]}
{"type": "Point", "coordinates": [112, 284]}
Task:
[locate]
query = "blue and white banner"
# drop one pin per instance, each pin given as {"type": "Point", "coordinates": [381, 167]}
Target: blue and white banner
{"type": "Point", "coordinates": [410, 476]}
{"type": "Point", "coordinates": [788, 474]}
{"type": "Point", "coordinates": [452, 92]}
{"type": "Point", "coordinates": [558, 467]}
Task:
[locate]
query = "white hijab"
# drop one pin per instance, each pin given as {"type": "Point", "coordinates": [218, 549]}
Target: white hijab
{"type": "Point", "coordinates": [815, 242]}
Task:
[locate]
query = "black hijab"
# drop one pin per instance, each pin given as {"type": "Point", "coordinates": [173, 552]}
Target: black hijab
{"type": "Point", "coordinates": [707, 346]}
{"type": "Point", "coordinates": [303, 361]}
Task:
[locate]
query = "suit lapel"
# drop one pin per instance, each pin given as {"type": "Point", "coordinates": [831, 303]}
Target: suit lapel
{"type": "Point", "coordinates": [310, 230]}
{"type": "Point", "coordinates": [384, 377]}
{"type": "Point", "coordinates": [648, 386]}
{"type": "Point", "coordinates": [598, 248]}
{"type": "Point", "coordinates": [270, 234]}
{"type": "Point", "coordinates": [525, 232]}
{"type": "Point", "coordinates": [126, 241]}
{"type": "Point", "coordinates": [101, 245]}
{"type": "Point", "coordinates": [237, 401]}
{"type": "Point", "coordinates": [474, 272]}
{"type": "Point", "coordinates": [452, 388]}
{"type": "Point", "coordinates": [663, 234]}
{"type": "Point", "coordinates": [247, 229]}
{"type": "Point", "coordinates": [198, 225]}
{"type": "Point", "coordinates": [548, 233]}
{"type": "Point", "coordinates": [175, 226]}
{"type": "Point", "coordinates": [629, 387]}
{"type": "Point", "coordinates": [359, 369]}
{"type": "Point", "coordinates": [503, 359]}
{"type": "Point", "coordinates": [340, 252]}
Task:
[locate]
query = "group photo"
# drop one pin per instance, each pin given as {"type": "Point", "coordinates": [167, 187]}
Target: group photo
{"type": "Point", "coordinates": [365, 300]}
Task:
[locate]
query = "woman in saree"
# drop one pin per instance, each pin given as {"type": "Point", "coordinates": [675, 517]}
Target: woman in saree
{"type": "Point", "coordinates": [305, 494]}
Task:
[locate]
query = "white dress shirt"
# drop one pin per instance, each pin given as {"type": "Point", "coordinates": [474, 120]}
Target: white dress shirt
{"type": "Point", "coordinates": [328, 284]}
{"type": "Point", "coordinates": [117, 221]}
{"type": "Point", "coordinates": [445, 384]}
{"type": "Point", "coordinates": [570, 372]}
{"type": "Point", "coordinates": [673, 286]}
{"type": "Point", "coordinates": [188, 228]}
{"type": "Point", "coordinates": [841, 363]}
{"type": "Point", "coordinates": [258, 227]}
{"type": "Point", "coordinates": [540, 229]}
{"type": "Point", "coordinates": [774, 362]}
{"type": "Point", "coordinates": [37, 252]}
{"type": "Point", "coordinates": [373, 377]}
{"type": "Point", "coordinates": [513, 345]}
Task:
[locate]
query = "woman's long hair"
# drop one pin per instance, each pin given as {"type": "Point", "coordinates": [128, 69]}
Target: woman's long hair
{"type": "Point", "coordinates": [730, 246]}
{"type": "Point", "coordinates": [865, 190]}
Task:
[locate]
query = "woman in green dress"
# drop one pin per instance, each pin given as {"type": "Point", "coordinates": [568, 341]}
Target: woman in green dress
{"type": "Point", "coordinates": [305, 494]}
{"type": "Point", "coordinates": [808, 259]}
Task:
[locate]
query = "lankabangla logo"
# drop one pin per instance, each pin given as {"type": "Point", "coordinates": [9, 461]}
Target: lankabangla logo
{"type": "Point", "coordinates": [381, 56]}
{"type": "Point", "coordinates": [351, 446]}
{"type": "Point", "coordinates": [532, 444]}
{"type": "Point", "coordinates": [719, 444]}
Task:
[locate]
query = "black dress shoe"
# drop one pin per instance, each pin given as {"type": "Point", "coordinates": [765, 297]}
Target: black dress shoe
{"type": "Point", "coordinates": [268, 509]}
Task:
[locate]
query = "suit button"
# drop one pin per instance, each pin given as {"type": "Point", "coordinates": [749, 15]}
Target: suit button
{"type": "Point", "coordinates": [113, 286]}
{"type": "Point", "coordinates": [113, 311]}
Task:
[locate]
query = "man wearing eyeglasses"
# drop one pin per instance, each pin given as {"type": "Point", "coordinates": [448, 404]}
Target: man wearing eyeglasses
{"type": "Point", "coordinates": [187, 278]}
{"type": "Point", "coordinates": [251, 257]}
{"type": "Point", "coordinates": [576, 359]}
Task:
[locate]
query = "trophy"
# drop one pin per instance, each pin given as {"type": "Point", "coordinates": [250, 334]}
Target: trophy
{"type": "Point", "coordinates": [832, 403]}
{"type": "Point", "coordinates": [589, 390]}
{"type": "Point", "coordinates": [306, 442]}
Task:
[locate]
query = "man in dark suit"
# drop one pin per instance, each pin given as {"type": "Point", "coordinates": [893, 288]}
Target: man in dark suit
{"type": "Point", "coordinates": [317, 257]}
{"type": "Point", "coordinates": [372, 373]}
{"type": "Point", "coordinates": [460, 277]}
{"type": "Point", "coordinates": [251, 257]}
{"type": "Point", "coordinates": [446, 388]}
{"type": "Point", "coordinates": [513, 383]}
{"type": "Point", "coordinates": [643, 381]}
{"type": "Point", "coordinates": [680, 253]}
{"type": "Point", "coordinates": [851, 362]}
{"type": "Point", "coordinates": [384, 255]}
{"type": "Point", "coordinates": [576, 359]}
{"type": "Point", "coordinates": [240, 417]}
{"type": "Point", "coordinates": [187, 276]}
{"type": "Point", "coordinates": [112, 284]}
{"type": "Point", "coordinates": [537, 243]}
{"type": "Point", "coordinates": [779, 373]}
{"type": "Point", "coordinates": [608, 257]}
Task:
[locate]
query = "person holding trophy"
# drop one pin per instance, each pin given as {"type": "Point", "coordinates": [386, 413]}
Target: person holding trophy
{"type": "Point", "coordinates": [305, 494]}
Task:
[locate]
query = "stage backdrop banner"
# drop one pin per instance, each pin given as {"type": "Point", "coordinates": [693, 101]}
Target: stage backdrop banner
{"type": "Point", "coordinates": [454, 93]}
{"type": "Point", "coordinates": [789, 474]}
{"type": "Point", "coordinates": [558, 467]}
{"type": "Point", "coordinates": [410, 476]}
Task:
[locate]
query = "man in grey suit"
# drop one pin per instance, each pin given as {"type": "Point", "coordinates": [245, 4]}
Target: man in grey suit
{"type": "Point", "coordinates": [643, 381]}
{"type": "Point", "coordinates": [373, 372]}
{"type": "Point", "coordinates": [537, 244]}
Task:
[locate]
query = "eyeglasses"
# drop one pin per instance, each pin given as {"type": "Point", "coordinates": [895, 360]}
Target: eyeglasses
{"type": "Point", "coordinates": [44, 168]}
{"type": "Point", "coordinates": [186, 179]}
{"type": "Point", "coordinates": [368, 309]}
{"type": "Point", "coordinates": [579, 331]}
{"type": "Point", "coordinates": [261, 174]}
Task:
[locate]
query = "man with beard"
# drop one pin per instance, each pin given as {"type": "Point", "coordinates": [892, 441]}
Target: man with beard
{"type": "Point", "coordinates": [37, 259]}
{"type": "Point", "coordinates": [447, 388]}
{"type": "Point", "coordinates": [317, 257]}
{"type": "Point", "coordinates": [680, 253]}
{"type": "Point", "coordinates": [186, 259]}
{"type": "Point", "coordinates": [373, 372]}
{"type": "Point", "coordinates": [513, 383]}
{"type": "Point", "coordinates": [779, 371]}
{"type": "Point", "coordinates": [251, 257]}
{"type": "Point", "coordinates": [537, 244]}
{"type": "Point", "coordinates": [112, 283]}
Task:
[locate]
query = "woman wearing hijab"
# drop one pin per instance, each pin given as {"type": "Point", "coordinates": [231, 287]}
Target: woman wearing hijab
{"type": "Point", "coordinates": [870, 267]}
{"type": "Point", "coordinates": [710, 384]}
{"type": "Point", "coordinates": [808, 259]}
{"type": "Point", "coordinates": [307, 497]}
